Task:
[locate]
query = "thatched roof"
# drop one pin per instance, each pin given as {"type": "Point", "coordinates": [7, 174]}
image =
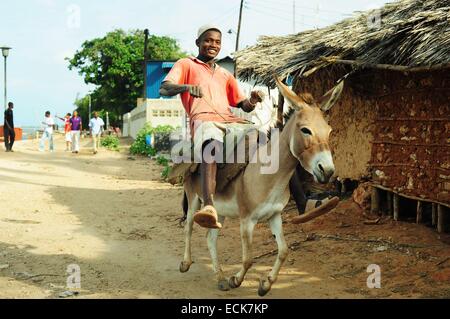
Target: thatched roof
{"type": "Point", "coordinates": [410, 33]}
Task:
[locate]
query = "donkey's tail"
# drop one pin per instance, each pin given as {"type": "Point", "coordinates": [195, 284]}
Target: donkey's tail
{"type": "Point", "coordinates": [185, 206]}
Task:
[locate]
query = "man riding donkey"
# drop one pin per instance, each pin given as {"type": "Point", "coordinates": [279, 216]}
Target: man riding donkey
{"type": "Point", "coordinates": [207, 90]}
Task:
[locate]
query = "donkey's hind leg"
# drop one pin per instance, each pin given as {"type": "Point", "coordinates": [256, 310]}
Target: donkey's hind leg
{"type": "Point", "coordinates": [187, 260]}
{"type": "Point", "coordinates": [212, 246]}
{"type": "Point", "coordinates": [276, 226]}
{"type": "Point", "coordinates": [247, 227]}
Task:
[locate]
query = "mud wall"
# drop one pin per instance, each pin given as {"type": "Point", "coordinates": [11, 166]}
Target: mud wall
{"type": "Point", "coordinates": [411, 146]}
{"type": "Point", "coordinates": [351, 119]}
{"type": "Point", "coordinates": [391, 127]}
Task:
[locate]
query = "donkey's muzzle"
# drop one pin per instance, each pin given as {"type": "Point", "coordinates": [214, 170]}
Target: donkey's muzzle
{"type": "Point", "coordinates": [323, 172]}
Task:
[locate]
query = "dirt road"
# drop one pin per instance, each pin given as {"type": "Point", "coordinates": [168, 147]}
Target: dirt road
{"type": "Point", "coordinates": [113, 216]}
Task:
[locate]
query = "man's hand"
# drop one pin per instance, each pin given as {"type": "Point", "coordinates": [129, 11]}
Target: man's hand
{"type": "Point", "coordinates": [195, 91]}
{"type": "Point", "coordinates": [257, 97]}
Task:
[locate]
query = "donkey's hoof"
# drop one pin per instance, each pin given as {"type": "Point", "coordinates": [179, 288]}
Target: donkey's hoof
{"type": "Point", "coordinates": [184, 266]}
{"type": "Point", "coordinates": [264, 287]}
{"type": "Point", "coordinates": [233, 282]}
{"type": "Point", "coordinates": [223, 285]}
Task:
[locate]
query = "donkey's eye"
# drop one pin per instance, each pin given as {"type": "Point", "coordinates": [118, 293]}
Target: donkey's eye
{"type": "Point", "coordinates": [306, 131]}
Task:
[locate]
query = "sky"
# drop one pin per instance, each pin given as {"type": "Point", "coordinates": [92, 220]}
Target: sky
{"type": "Point", "coordinates": [42, 33]}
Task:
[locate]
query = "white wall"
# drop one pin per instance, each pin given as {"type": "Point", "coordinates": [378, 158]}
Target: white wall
{"type": "Point", "coordinates": [156, 112]}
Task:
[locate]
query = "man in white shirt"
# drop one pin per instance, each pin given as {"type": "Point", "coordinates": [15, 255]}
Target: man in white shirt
{"type": "Point", "coordinates": [96, 127]}
{"type": "Point", "coordinates": [48, 124]}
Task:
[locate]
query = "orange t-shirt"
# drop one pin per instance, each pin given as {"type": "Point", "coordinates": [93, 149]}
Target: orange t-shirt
{"type": "Point", "coordinates": [220, 91]}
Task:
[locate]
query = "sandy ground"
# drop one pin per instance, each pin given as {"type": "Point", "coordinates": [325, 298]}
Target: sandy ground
{"type": "Point", "coordinates": [113, 216]}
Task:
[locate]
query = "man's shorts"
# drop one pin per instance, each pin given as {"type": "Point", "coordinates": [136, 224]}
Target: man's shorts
{"type": "Point", "coordinates": [219, 131]}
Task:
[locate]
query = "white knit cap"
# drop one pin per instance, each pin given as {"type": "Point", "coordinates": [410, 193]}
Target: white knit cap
{"type": "Point", "coordinates": [207, 27]}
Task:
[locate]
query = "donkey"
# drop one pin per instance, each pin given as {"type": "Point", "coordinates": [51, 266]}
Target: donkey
{"type": "Point", "coordinates": [255, 198]}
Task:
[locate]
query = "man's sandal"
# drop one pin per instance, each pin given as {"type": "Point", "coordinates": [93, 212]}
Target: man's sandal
{"type": "Point", "coordinates": [207, 217]}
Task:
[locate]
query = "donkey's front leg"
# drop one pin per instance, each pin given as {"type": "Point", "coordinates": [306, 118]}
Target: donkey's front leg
{"type": "Point", "coordinates": [212, 246]}
{"type": "Point", "coordinates": [247, 227]}
{"type": "Point", "coordinates": [187, 259]}
{"type": "Point", "coordinates": [276, 226]}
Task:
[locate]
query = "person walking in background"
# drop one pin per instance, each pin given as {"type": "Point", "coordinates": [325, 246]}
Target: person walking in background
{"type": "Point", "coordinates": [76, 127]}
{"type": "Point", "coordinates": [8, 128]}
{"type": "Point", "coordinates": [48, 123]}
{"type": "Point", "coordinates": [96, 128]}
{"type": "Point", "coordinates": [67, 131]}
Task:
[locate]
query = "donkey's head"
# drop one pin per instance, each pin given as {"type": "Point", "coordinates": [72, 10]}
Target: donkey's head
{"type": "Point", "coordinates": [309, 132]}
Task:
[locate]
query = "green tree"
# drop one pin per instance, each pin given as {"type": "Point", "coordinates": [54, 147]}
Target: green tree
{"type": "Point", "coordinates": [114, 64]}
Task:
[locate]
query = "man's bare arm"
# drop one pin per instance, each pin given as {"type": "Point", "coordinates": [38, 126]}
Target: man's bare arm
{"type": "Point", "coordinates": [171, 89]}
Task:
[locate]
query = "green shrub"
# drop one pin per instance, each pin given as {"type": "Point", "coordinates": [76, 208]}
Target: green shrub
{"type": "Point", "coordinates": [161, 136]}
{"type": "Point", "coordinates": [139, 146]}
{"type": "Point", "coordinates": [165, 172]}
{"type": "Point", "coordinates": [110, 142]}
{"type": "Point", "coordinates": [161, 160]}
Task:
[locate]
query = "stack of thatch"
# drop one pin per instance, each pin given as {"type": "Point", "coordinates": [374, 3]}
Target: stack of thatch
{"type": "Point", "coordinates": [410, 33]}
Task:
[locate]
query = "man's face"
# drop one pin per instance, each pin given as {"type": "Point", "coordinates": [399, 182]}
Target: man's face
{"type": "Point", "coordinates": [209, 44]}
{"type": "Point", "coordinates": [75, 114]}
{"type": "Point", "coordinates": [11, 106]}
{"type": "Point", "coordinates": [95, 114]}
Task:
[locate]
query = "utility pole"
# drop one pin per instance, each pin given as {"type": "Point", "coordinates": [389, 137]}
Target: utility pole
{"type": "Point", "coordinates": [293, 10]}
{"type": "Point", "coordinates": [90, 106]}
{"type": "Point", "coordinates": [146, 33]}
{"type": "Point", "coordinates": [238, 33]}
{"type": "Point", "coordinates": [239, 25]}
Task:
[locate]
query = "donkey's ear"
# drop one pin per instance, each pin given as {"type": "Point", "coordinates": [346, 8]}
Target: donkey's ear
{"type": "Point", "coordinates": [289, 95]}
{"type": "Point", "coordinates": [331, 97]}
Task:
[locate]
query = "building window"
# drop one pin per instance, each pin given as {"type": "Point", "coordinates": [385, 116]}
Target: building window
{"type": "Point", "coordinates": [155, 113]}
{"type": "Point", "coordinates": [169, 113]}
{"type": "Point", "coordinates": [176, 113]}
{"type": "Point", "coordinates": [162, 113]}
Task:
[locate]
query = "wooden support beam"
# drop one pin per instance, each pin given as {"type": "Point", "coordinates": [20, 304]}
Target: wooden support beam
{"type": "Point", "coordinates": [433, 214]}
{"type": "Point", "coordinates": [389, 203]}
{"type": "Point", "coordinates": [419, 212]}
{"type": "Point", "coordinates": [401, 68]}
{"type": "Point", "coordinates": [375, 201]}
{"type": "Point", "coordinates": [280, 110]}
{"type": "Point", "coordinates": [440, 219]}
{"type": "Point", "coordinates": [396, 206]}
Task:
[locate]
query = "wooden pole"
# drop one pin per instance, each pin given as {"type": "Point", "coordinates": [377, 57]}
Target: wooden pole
{"type": "Point", "coordinates": [280, 118]}
{"type": "Point", "coordinates": [396, 206]}
{"type": "Point", "coordinates": [389, 203]}
{"type": "Point", "coordinates": [433, 214]}
{"type": "Point", "coordinates": [440, 219]}
{"type": "Point", "coordinates": [238, 34]}
{"type": "Point", "coordinates": [146, 33]}
{"type": "Point", "coordinates": [402, 68]}
{"type": "Point", "coordinates": [419, 212]}
{"type": "Point", "coordinates": [375, 201]}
